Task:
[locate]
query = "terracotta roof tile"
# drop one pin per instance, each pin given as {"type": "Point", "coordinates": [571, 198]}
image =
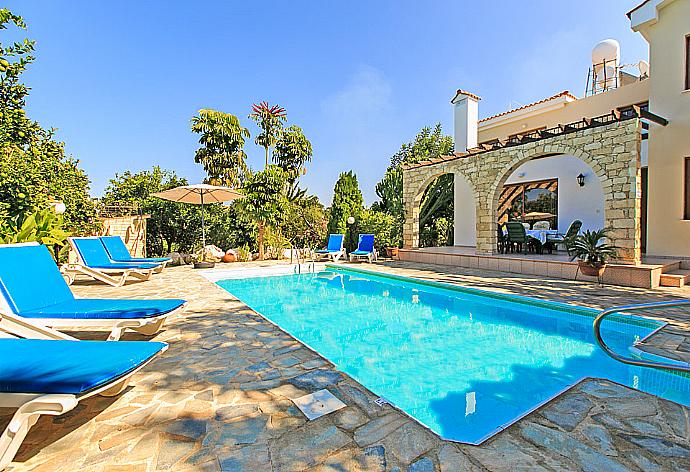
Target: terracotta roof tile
{"type": "Point", "coordinates": [564, 93]}
{"type": "Point", "coordinates": [465, 92]}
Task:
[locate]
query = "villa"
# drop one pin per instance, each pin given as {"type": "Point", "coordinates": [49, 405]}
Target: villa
{"type": "Point", "coordinates": [470, 357]}
{"type": "Point", "coordinates": [617, 158]}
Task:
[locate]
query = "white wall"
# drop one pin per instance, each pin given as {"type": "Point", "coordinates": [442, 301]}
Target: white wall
{"type": "Point", "coordinates": [574, 202]}
{"type": "Point", "coordinates": [465, 214]}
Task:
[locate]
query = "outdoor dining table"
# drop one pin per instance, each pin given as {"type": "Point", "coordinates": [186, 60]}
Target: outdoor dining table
{"type": "Point", "coordinates": [541, 234]}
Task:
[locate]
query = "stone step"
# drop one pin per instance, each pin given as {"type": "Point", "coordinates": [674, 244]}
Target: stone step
{"type": "Point", "coordinates": [676, 278]}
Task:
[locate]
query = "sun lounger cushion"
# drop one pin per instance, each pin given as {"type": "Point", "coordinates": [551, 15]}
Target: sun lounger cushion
{"type": "Point", "coordinates": [94, 255]}
{"type": "Point", "coordinates": [68, 367]}
{"type": "Point", "coordinates": [30, 279]}
{"type": "Point", "coordinates": [118, 251]}
{"type": "Point", "coordinates": [365, 245]}
{"type": "Point", "coordinates": [335, 244]}
{"type": "Point", "coordinates": [89, 309]}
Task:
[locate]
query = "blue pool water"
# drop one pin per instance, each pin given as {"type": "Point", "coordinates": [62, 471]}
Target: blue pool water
{"type": "Point", "coordinates": [465, 364]}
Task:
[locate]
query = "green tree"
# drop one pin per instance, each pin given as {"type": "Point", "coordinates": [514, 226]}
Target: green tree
{"type": "Point", "coordinates": [347, 202]}
{"type": "Point", "coordinates": [292, 151]}
{"type": "Point", "coordinates": [264, 200]}
{"type": "Point", "coordinates": [270, 119]}
{"type": "Point", "coordinates": [429, 143]}
{"type": "Point", "coordinates": [222, 142]}
{"type": "Point", "coordinates": [437, 201]}
{"type": "Point", "coordinates": [34, 170]}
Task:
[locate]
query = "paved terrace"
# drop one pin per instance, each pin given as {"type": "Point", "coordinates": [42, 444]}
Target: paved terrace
{"type": "Point", "coordinates": [219, 399]}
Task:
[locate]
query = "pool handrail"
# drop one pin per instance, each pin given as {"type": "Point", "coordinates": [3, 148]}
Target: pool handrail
{"type": "Point", "coordinates": [628, 360]}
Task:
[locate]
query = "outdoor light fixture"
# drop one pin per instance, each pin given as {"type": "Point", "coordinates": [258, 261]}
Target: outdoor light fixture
{"type": "Point", "coordinates": [59, 207]}
{"type": "Point", "coordinates": [581, 180]}
{"type": "Point", "coordinates": [351, 220]}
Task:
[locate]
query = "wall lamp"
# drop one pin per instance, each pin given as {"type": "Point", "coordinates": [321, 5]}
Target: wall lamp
{"type": "Point", "coordinates": [581, 180]}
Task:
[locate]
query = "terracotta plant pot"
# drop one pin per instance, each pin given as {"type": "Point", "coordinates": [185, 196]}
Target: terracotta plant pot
{"type": "Point", "coordinates": [592, 270]}
{"type": "Point", "coordinates": [392, 251]}
{"type": "Point", "coordinates": [229, 257]}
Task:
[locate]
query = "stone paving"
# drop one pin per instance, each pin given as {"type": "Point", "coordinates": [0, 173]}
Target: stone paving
{"type": "Point", "coordinates": [220, 399]}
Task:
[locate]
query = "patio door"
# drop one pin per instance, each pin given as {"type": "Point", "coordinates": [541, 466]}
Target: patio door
{"type": "Point", "coordinates": [530, 202]}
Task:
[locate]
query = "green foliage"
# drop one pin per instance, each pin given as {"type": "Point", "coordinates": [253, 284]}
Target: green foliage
{"type": "Point", "coordinates": [270, 119]}
{"type": "Point", "coordinates": [177, 226]}
{"type": "Point", "coordinates": [436, 212]}
{"type": "Point", "coordinates": [264, 200]}
{"type": "Point", "coordinates": [43, 226]}
{"type": "Point", "coordinates": [292, 151]}
{"type": "Point", "coordinates": [429, 143]}
{"type": "Point", "coordinates": [34, 170]}
{"type": "Point", "coordinates": [347, 202]}
{"type": "Point", "coordinates": [383, 226]}
{"type": "Point", "coordinates": [264, 195]}
{"type": "Point", "coordinates": [244, 254]}
{"type": "Point", "coordinates": [592, 247]}
{"type": "Point", "coordinates": [389, 191]}
{"type": "Point", "coordinates": [276, 242]}
{"type": "Point", "coordinates": [438, 233]}
{"type": "Point", "coordinates": [304, 223]}
{"type": "Point", "coordinates": [221, 152]}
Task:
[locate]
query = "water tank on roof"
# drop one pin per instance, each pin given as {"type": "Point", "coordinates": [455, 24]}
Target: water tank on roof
{"type": "Point", "coordinates": [605, 61]}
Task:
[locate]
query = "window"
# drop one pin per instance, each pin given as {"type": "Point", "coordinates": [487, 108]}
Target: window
{"type": "Point", "coordinates": [687, 62]}
{"type": "Point", "coordinates": [686, 213]}
{"type": "Point", "coordinates": [529, 202]}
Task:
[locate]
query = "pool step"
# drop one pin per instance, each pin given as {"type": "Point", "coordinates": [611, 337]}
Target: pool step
{"type": "Point", "coordinates": [675, 278]}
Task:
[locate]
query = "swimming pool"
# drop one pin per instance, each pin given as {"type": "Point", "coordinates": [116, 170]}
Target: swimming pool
{"type": "Point", "coordinates": [463, 362]}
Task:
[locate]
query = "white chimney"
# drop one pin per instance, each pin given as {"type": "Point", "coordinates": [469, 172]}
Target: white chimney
{"type": "Point", "coordinates": [465, 117]}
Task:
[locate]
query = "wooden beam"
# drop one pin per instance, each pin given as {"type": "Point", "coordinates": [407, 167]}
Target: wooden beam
{"type": "Point", "coordinates": [648, 115]}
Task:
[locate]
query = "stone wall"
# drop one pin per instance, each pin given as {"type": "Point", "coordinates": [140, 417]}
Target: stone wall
{"type": "Point", "coordinates": [612, 151]}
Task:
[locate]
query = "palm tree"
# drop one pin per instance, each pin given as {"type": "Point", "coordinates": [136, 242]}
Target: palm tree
{"type": "Point", "coordinates": [270, 119]}
{"type": "Point", "coordinates": [221, 154]}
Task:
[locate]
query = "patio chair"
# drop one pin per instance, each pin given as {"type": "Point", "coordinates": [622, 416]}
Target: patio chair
{"type": "Point", "coordinates": [51, 375]}
{"type": "Point", "coordinates": [118, 252]}
{"type": "Point", "coordinates": [517, 238]}
{"type": "Point", "coordinates": [32, 288]}
{"type": "Point", "coordinates": [559, 238]}
{"type": "Point", "coordinates": [501, 239]}
{"type": "Point", "coordinates": [365, 248]}
{"type": "Point", "coordinates": [94, 261]}
{"type": "Point", "coordinates": [334, 249]}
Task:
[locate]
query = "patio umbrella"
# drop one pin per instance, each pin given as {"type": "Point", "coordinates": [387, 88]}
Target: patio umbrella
{"type": "Point", "coordinates": [199, 194]}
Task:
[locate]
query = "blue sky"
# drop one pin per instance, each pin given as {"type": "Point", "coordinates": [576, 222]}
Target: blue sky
{"type": "Point", "coordinates": [360, 77]}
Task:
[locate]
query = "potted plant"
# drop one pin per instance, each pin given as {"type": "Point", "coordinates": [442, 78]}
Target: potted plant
{"type": "Point", "coordinates": [593, 251]}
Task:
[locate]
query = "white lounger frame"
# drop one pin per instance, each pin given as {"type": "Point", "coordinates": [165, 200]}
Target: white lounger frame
{"type": "Point", "coordinates": [371, 257]}
{"type": "Point", "coordinates": [114, 277]}
{"type": "Point", "coordinates": [117, 326]}
{"type": "Point", "coordinates": [334, 256]}
{"type": "Point", "coordinates": [31, 406]}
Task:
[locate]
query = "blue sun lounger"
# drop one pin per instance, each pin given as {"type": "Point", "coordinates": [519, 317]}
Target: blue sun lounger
{"type": "Point", "coordinates": [334, 250]}
{"type": "Point", "coordinates": [365, 248]}
{"type": "Point", "coordinates": [94, 261]}
{"type": "Point", "coordinates": [32, 288]}
{"type": "Point", "coordinates": [118, 252]}
{"type": "Point", "coordinates": [50, 376]}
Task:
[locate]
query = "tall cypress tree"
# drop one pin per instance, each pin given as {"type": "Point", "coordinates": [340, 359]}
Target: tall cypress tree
{"type": "Point", "coordinates": [347, 202]}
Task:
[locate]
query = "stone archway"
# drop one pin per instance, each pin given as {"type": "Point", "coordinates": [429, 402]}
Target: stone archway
{"type": "Point", "coordinates": [611, 150]}
{"type": "Point", "coordinates": [412, 212]}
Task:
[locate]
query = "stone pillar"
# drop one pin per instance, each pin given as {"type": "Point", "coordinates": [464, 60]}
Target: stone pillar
{"type": "Point", "coordinates": [411, 181]}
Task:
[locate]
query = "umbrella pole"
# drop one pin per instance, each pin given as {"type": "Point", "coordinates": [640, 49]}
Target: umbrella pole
{"type": "Point", "coordinates": [203, 229]}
